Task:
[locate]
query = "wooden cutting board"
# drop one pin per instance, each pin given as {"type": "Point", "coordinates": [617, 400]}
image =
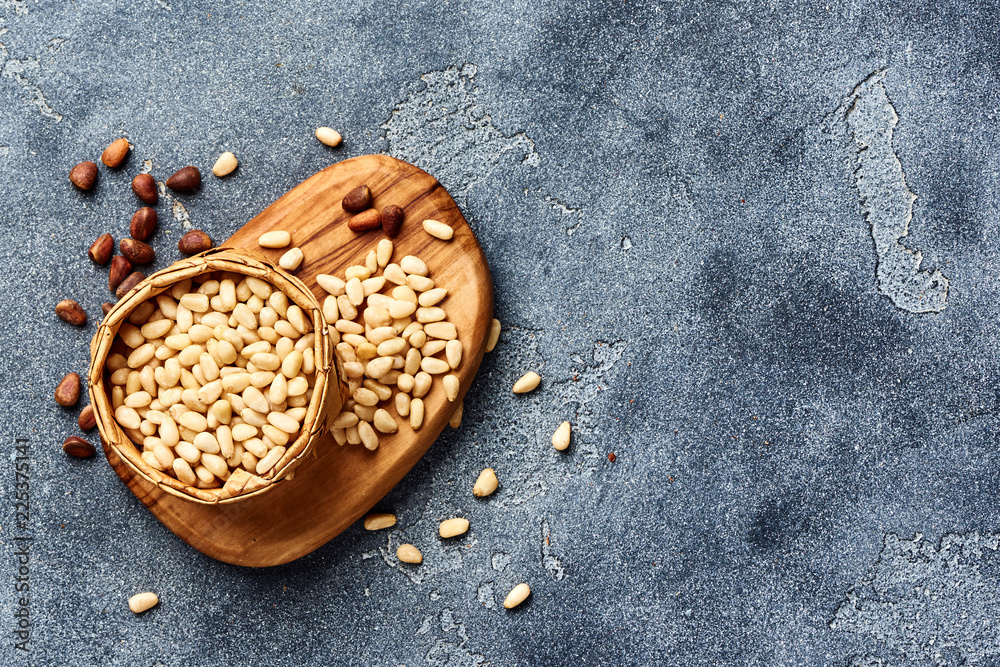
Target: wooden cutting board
{"type": "Point", "coordinates": [339, 485]}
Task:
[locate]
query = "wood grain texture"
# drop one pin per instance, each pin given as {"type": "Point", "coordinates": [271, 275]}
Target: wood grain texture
{"type": "Point", "coordinates": [341, 484]}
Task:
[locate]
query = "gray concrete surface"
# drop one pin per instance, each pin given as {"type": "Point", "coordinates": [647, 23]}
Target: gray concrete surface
{"type": "Point", "coordinates": [701, 225]}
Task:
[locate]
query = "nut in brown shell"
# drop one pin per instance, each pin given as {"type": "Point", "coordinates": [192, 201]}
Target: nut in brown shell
{"type": "Point", "coordinates": [144, 187]}
{"type": "Point", "coordinates": [358, 199]}
{"type": "Point", "coordinates": [365, 221]}
{"type": "Point", "coordinates": [70, 311]}
{"type": "Point", "coordinates": [194, 242]}
{"type": "Point", "coordinates": [120, 268]}
{"type": "Point", "coordinates": [392, 220]}
{"type": "Point", "coordinates": [143, 223]}
{"type": "Point", "coordinates": [136, 252]}
{"type": "Point", "coordinates": [133, 279]}
{"type": "Point", "coordinates": [102, 248]}
{"type": "Point", "coordinates": [115, 154]}
{"type": "Point", "coordinates": [79, 448]}
{"type": "Point", "coordinates": [83, 175]}
{"type": "Point", "coordinates": [87, 419]}
{"type": "Point", "coordinates": [68, 390]}
{"type": "Point", "coordinates": [185, 179]}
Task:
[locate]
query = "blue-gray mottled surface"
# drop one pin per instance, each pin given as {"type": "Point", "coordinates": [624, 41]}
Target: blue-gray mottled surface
{"type": "Point", "coordinates": [702, 231]}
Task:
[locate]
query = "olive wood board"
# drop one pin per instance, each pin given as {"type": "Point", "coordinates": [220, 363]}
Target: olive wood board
{"type": "Point", "coordinates": [338, 485]}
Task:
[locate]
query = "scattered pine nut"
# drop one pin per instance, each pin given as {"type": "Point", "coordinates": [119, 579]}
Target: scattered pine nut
{"type": "Point", "coordinates": [328, 136]}
{"type": "Point", "coordinates": [225, 165]}
{"type": "Point", "coordinates": [456, 416]}
{"type": "Point", "coordinates": [491, 342]}
{"type": "Point", "coordinates": [451, 385]}
{"type": "Point", "coordinates": [438, 230]}
{"type": "Point", "coordinates": [291, 260]}
{"type": "Point", "coordinates": [274, 239]}
{"type": "Point", "coordinates": [486, 483]}
{"type": "Point", "coordinates": [560, 439]}
{"type": "Point", "coordinates": [408, 553]}
{"type": "Point", "coordinates": [141, 602]}
{"type": "Point", "coordinates": [378, 521]}
{"type": "Point", "coordinates": [528, 382]}
{"type": "Point", "coordinates": [453, 527]}
{"type": "Point", "coordinates": [518, 595]}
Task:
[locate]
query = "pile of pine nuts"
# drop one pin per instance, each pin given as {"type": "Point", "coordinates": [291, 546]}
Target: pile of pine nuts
{"type": "Point", "coordinates": [218, 375]}
{"type": "Point", "coordinates": [389, 331]}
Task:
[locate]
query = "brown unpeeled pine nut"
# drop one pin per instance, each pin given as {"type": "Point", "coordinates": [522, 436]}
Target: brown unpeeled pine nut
{"type": "Point", "coordinates": [78, 447]}
{"type": "Point", "coordinates": [68, 390]}
{"type": "Point", "coordinates": [365, 221]}
{"type": "Point", "coordinates": [185, 179]}
{"type": "Point", "coordinates": [378, 521]}
{"type": "Point", "coordinates": [392, 220]}
{"type": "Point", "coordinates": [453, 527]}
{"type": "Point", "coordinates": [102, 248]}
{"type": "Point", "coordinates": [194, 242]}
{"type": "Point", "coordinates": [120, 268]}
{"type": "Point", "coordinates": [87, 419]}
{"type": "Point", "coordinates": [83, 175]}
{"type": "Point", "coordinates": [144, 187]}
{"type": "Point", "coordinates": [136, 252]}
{"type": "Point", "coordinates": [133, 279]}
{"type": "Point", "coordinates": [358, 199]}
{"type": "Point", "coordinates": [143, 223]}
{"type": "Point", "coordinates": [408, 553]}
{"type": "Point", "coordinates": [106, 307]}
{"type": "Point", "coordinates": [114, 155]}
{"type": "Point", "coordinates": [486, 483]}
{"type": "Point", "coordinates": [70, 311]}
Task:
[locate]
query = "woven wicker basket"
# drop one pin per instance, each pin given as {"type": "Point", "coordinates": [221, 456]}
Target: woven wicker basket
{"type": "Point", "coordinates": [328, 396]}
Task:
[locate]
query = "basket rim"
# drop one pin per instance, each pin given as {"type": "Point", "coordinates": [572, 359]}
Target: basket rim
{"type": "Point", "coordinates": [327, 388]}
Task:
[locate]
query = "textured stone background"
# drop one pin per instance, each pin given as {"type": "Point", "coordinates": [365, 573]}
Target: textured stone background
{"type": "Point", "coordinates": [670, 196]}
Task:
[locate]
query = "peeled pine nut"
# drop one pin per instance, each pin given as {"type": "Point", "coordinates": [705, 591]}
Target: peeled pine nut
{"type": "Point", "coordinates": [560, 439]}
{"type": "Point", "coordinates": [421, 384]}
{"type": "Point", "coordinates": [378, 521]}
{"type": "Point", "coordinates": [384, 422]}
{"type": "Point", "coordinates": [432, 297]}
{"type": "Point", "coordinates": [333, 285]}
{"type": "Point", "coordinates": [328, 136]}
{"type": "Point", "coordinates": [416, 413]}
{"type": "Point", "coordinates": [438, 230]}
{"type": "Point", "coordinates": [518, 595]}
{"type": "Point", "coordinates": [453, 352]}
{"type": "Point", "coordinates": [527, 382]}
{"type": "Point", "coordinates": [407, 553]}
{"type": "Point", "coordinates": [270, 460]}
{"type": "Point", "coordinates": [291, 260]}
{"type": "Point", "coordinates": [141, 602]}
{"type": "Point", "coordinates": [383, 252]}
{"type": "Point", "coordinates": [486, 483]}
{"type": "Point", "coordinates": [434, 366]}
{"type": "Point", "coordinates": [274, 239]}
{"type": "Point", "coordinates": [451, 385]}
{"type": "Point", "coordinates": [456, 417]}
{"type": "Point", "coordinates": [491, 342]}
{"type": "Point", "coordinates": [225, 165]}
{"type": "Point", "coordinates": [368, 436]}
{"type": "Point", "coordinates": [402, 404]}
{"type": "Point", "coordinates": [453, 527]}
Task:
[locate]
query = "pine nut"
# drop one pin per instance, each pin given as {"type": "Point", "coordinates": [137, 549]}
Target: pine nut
{"type": "Point", "coordinates": [368, 436]}
{"type": "Point", "coordinates": [333, 285]}
{"type": "Point", "coordinates": [274, 239]}
{"type": "Point", "coordinates": [419, 283]}
{"type": "Point", "coordinates": [196, 303]}
{"type": "Point", "coordinates": [256, 447]}
{"type": "Point", "coordinates": [518, 595]}
{"type": "Point", "coordinates": [431, 314]}
{"type": "Point", "coordinates": [494, 335]}
{"type": "Point", "coordinates": [188, 452]}
{"type": "Point", "coordinates": [394, 274]}
{"type": "Point", "coordinates": [434, 366]}
{"type": "Point", "coordinates": [330, 311]}
{"type": "Point", "coordinates": [486, 483]}
{"type": "Point", "coordinates": [290, 261]}
{"type": "Point", "coordinates": [345, 420]}
{"type": "Point", "coordinates": [282, 421]}
{"type": "Point", "coordinates": [407, 553]}
{"type": "Point", "coordinates": [183, 472]}
{"type": "Point", "coordinates": [379, 367]}
{"type": "Point", "coordinates": [414, 266]}
{"type": "Point", "coordinates": [441, 330]}
{"type": "Point", "coordinates": [451, 385]}
{"type": "Point", "coordinates": [127, 417]}
{"type": "Point", "coordinates": [348, 326]}
{"type": "Point", "coordinates": [432, 297]}
{"type": "Point", "coordinates": [391, 347]}
{"type": "Point", "coordinates": [384, 422]}
{"type": "Point", "coordinates": [438, 230]}
{"type": "Point", "coordinates": [456, 416]}
{"type": "Point", "coordinates": [383, 252]}
{"type": "Point", "coordinates": [225, 165]}
{"type": "Point", "coordinates": [453, 352]}
{"type": "Point", "coordinates": [328, 136]}
{"type": "Point", "coordinates": [560, 439]}
{"type": "Point", "coordinates": [421, 384]}
{"type": "Point", "coordinates": [453, 527]}
{"type": "Point", "coordinates": [527, 382]}
{"type": "Point", "coordinates": [379, 521]}
{"type": "Point", "coordinates": [399, 309]}
{"type": "Point", "coordinates": [416, 414]}
{"type": "Point", "coordinates": [402, 404]}
{"type": "Point", "coordinates": [141, 602]}
{"type": "Point", "coordinates": [270, 460]}
{"type": "Point", "coordinates": [372, 285]}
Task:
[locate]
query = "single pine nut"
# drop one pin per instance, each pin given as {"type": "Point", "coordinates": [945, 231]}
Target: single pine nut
{"type": "Point", "coordinates": [291, 260]}
{"type": "Point", "coordinates": [421, 384]}
{"type": "Point", "coordinates": [407, 553]}
{"type": "Point", "coordinates": [400, 309]}
{"type": "Point", "coordinates": [379, 367]}
{"type": "Point", "coordinates": [142, 602]}
{"type": "Point", "coordinates": [384, 422]}
{"type": "Point", "coordinates": [328, 136]}
{"type": "Point", "coordinates": [430, 314]}
{"type": "Point", "coordinates": [371, 261]}
{"type": "Point", "coordinates": [456, 416]}
{"type": "Point", "coordinates": [383, 252]}
{"type": "Point", "coordinates": [330, 311]}
{"type": "Point", "coordinates": [283, 421]}
{"type": "Point", "coordinates": [372, 285]}
{"type": "Point", "coordinates": [438, 230]}
{"type": "Point", "coordinates": [527, 382]}
{"type": "Point", "coordinates": [188, 452]}
{"type": "Point", "coordinates": [368, 436]}
{"type": "Point", "coordinates": [357, 271]}
{"type": "Point", "coordinates": [402, 404]}
{"type": "Point", "coordinates": [364, 397]}
{"type": "Point", "coordinates": [270, 460]}
{"type": "Point", "coordinates": [494, 335]}
{"type": "Point", "coordinates": [183, 472]}
{"type": "Point", "coordinates": [414, 266]}
{"type": "Point", "coordinates": [274, 239]}
{"type": "Point", "coordinates": [486, 483]}
{"type": "Point", "coordinates": [394, 274]}
{"type": "Point", "coordinates": [416, 413]}
{"type": "Point", "coordinates": [196, 303]}
{"type": "Point", "coordinates": [432, 297]}
{"type": "Point", "coordinates": [348, 326]}
{"type": "Point", "coordinates": [453, 527]}
{"type": "Point", "coordinates": [434, 366]}
{"type": "Point", "coordinates": [127, 417]}
{"type": "Point", "coordinates": [419, 283]}
{"type": "Point", "coordinates": [225, 165]}
{"type": "Point", "coordinates": [441, 330]}
{"type": "Point", "coordinates": [451, 385]}
{"type": "Point", "coordinates": [453, 352]}
{"type": "Point", "coordinates": [518, 595]}
{"type": "Point", "coordinates": [560, 439]}
{"type": "Point", "coordinates": [355, 292]}
{"type": "Point", "coordinates": [378, 521]}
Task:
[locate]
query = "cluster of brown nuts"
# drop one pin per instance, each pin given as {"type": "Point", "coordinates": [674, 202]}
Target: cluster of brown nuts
{"type": "Point", "coordinates": [367, 218]}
